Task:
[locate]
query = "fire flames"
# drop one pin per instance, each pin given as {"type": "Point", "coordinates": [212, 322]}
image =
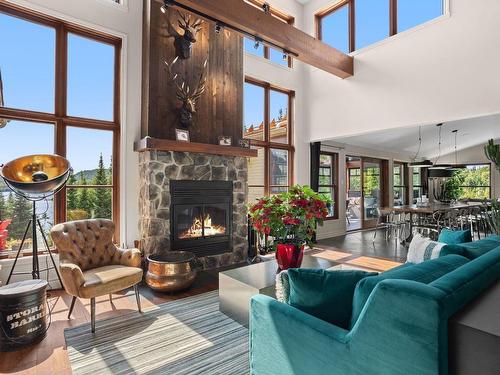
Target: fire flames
{"type": "Point", "coordinates": [200, 224]}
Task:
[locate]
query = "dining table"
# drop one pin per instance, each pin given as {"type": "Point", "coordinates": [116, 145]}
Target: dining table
{"type": "Point", "coordinates": [428, 209]}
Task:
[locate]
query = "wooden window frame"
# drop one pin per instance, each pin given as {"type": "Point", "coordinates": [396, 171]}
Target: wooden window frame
{"type": "Point", "coordinates": [282, 16]}
{"type": "Point", "coordinates": [267, 144]}
{"type": "Point", "coordinates": [482, 186]}
{"type": "Point", "coordinates": [335, 183]}
{"type": "Point", "coordinates": [404, 177]}
{"type": "Point", "coordinates": [59, 118]}
{"type": "Point", "coordinates": [393, 19]}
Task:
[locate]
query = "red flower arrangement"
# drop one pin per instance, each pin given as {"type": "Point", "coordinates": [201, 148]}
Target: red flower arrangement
{"type": "Point", "coordinates": [290, 217]}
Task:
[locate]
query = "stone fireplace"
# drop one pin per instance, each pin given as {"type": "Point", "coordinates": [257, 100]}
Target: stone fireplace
{"type": "Point", "coordinates": [195, 202]}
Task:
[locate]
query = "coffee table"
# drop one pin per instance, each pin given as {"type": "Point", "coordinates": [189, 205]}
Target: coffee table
{"type": "Point", "coordinates": [239, 285]}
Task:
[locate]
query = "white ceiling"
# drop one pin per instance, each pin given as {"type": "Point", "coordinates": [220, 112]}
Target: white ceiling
{"type": "Point", "coordinates": [302, 1]}
{"type": "Point", "coordinates": [471, 132]}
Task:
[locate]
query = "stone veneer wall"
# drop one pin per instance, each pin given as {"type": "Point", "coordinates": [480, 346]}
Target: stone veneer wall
{"type": "Point", "coordinates": [157, 168]}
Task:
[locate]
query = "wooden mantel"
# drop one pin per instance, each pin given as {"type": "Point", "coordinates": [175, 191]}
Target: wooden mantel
{"type": "Point", "coordinates": [243, 16]}
{"type": "Point", "coordinates": [149, 144]}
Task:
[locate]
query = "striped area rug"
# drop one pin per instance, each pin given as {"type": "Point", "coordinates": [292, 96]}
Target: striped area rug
{"type": "Point", "coordinates": [188, 336]}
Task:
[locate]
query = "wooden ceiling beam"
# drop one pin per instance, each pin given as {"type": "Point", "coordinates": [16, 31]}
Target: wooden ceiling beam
{"type": "Point", "coordinates": [240, 15]}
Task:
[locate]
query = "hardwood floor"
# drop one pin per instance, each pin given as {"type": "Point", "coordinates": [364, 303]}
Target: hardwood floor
{"type": "Point", "coordinates": [49, 357]}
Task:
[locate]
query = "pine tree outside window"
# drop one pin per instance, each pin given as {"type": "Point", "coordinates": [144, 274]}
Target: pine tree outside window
{"type": "Point", "coordinates": [68, 103]}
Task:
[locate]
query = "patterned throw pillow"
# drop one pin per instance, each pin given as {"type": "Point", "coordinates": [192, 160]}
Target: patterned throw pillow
{"type": "Point", "coordinates": [283, 287]}
{"type": "Point", "coordinates": [422, 249]}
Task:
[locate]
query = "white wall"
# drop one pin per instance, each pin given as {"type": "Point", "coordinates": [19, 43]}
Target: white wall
{"type": "Point", "coordinates": [292, 79]}
{"type": "Point", "coordinates": [444, 70]}
{"type": "Point", "coordinates": [124, 21]}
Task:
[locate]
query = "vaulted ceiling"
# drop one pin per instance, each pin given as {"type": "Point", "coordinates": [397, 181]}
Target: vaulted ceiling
{"type": "Point", "coordinates": [471, 132]}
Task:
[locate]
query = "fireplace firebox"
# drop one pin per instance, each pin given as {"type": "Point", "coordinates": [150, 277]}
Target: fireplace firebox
{"type": "Point", "coordinates": [201, 216]}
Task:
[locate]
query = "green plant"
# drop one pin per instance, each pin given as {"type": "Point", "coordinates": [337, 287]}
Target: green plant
{"type": "Point", "coordinates": [290, 217]}
{"type": "Point", "coordinates": [492, 152]}
{"type": "Point", "coordinates": [493, 216]}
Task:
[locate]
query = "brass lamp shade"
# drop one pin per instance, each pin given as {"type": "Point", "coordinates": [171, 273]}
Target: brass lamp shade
{"type": "Point", "coordinates": [36, 174]}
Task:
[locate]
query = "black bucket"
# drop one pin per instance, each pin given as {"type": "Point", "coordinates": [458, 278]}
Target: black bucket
{"type": "Point", "coordinates": [23, 314]}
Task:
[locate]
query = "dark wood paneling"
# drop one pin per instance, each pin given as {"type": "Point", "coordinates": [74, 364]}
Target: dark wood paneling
{"type": "Point", "coordinates": [220, 108]}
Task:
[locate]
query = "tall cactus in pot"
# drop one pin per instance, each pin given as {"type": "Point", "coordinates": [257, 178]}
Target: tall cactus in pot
{"type": "Point", "coordinates": [492, 152]}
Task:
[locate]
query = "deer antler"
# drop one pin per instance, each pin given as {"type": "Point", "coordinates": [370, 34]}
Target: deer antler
{"type": "Point", "coordinates": [200, 88]}
{"type": "Point", "coordinates": [185, 22]}
{"type": "Point", "coordinates": [183, 90]}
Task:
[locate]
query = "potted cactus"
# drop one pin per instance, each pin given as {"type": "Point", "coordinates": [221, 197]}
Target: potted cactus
{"type": "Point", "coordinates": [492, 152]}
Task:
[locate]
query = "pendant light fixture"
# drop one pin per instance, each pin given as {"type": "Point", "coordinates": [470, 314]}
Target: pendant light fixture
{"type": "Point", "coordinates": [436, 164]}
{"type": "Point", "coordinates": [420, 164]}
{"type": "Point", "coordinates": [457, 166]}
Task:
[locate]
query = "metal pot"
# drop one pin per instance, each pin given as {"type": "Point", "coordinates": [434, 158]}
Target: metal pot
{"type": "Point", "coordinates": [171, 271]}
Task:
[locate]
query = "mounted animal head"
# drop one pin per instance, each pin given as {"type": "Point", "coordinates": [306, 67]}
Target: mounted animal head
{"type": "Point", "coordinates": [190, 26]}
{"type": "Point", "coordinates": [184, 41]}
{"type": "Point", "coordinates": [187, 96]}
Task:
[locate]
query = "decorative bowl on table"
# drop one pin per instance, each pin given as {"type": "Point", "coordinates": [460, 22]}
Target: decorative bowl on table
{"type": "Point", "coordinates": [171, 271]}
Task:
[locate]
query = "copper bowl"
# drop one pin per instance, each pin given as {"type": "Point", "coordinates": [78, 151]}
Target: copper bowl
{"type": "Point", "coordinates": [36, 174]}
{"type": "Point", "coordinates": [171, 271]}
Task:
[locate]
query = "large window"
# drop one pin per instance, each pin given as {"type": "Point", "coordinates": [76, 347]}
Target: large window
{"type": "Point", "coordinates": [473, 182]}
{"type": "Point", "coordinates": [353, 24]}
{"type": "Point", "coordinates": [399, 183]}
{"type": "Point", "coordinates": [61, 95]}
{"type": "Point", "coordinates": [267, 125]}
{"type": "Point", "coordinates": [417, 186]}
{"type": "Point", "coordinates": [328, 180]}
{"type": "Point", "coordinates": [255, 47]}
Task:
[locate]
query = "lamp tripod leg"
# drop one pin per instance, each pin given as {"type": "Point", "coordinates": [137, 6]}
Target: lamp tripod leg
{"type": "Point", "coordinates": [50, 253]}
{"type": "Point", "coordinates": [19, 251]}
{"type": "Point", "coordinates": [35, 271]}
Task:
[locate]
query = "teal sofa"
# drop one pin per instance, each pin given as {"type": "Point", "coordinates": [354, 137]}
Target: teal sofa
{"type": "Point", "coordinates": [399, 322]}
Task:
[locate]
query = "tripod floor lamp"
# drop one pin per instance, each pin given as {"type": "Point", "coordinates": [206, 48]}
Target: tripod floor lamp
{"type": "Point", "coordinates": [35, 178]}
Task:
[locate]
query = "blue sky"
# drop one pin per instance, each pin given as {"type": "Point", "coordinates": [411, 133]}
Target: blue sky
{"type": "Point", "coordinates": [27, 61]}
{"type": "Point", "coordinates": [372, 21]}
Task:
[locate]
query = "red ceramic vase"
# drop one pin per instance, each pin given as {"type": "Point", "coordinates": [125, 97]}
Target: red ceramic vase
{"type": "Point", "coordinates": [289, 256]}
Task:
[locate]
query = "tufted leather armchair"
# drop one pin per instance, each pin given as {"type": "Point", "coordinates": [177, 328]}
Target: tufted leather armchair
{"type": "Point", "coordinates": [91, 265]}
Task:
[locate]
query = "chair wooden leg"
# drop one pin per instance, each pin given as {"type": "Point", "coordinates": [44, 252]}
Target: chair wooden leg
{"type": "Point", "coordinates": [110, 298]}
{"type": "Point", "coordinates": [92, 314]}
{"type": "Point", "coordinates": [137, 297]}
{"type": "Point", "coordinates": [71, 307]}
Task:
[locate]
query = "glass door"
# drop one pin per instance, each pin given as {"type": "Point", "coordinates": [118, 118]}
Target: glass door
{"type": "Point", "coordinates": [371, 187]}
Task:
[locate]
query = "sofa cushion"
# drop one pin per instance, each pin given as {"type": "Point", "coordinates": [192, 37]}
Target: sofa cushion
{"type": "Point", "coordinates": [324, 294]}
{"type": "Point", "coordinates": [425, 273]}
{"type": "Point", "coordinates": [473, 250]}
{"type": "Point", "coordinates": [453, 237]}
{"type": "Point", "coordinates": [466, 283]}
{"type": "Point", "coordinates": [422, 249]}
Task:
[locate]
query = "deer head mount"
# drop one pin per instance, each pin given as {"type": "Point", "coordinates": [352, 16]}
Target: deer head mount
{"type": "Point", "coordinates": [185, 94]}
{"type": "Point", "coordinates": [183, 42]}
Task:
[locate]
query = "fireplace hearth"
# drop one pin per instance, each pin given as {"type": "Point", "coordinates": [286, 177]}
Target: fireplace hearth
{"type": "Point", "coordinates": [201, 216]}
{"type": "Point", "coordinates": [196, 202]}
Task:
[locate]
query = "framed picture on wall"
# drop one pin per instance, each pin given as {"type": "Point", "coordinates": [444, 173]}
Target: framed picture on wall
{"type": "Point", "coordinates": [182, 135]}
{"type": "Point", "coordinates": [225, 141]}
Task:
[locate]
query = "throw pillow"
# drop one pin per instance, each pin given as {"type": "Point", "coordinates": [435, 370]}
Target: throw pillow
{"type": "Point", "coordinates": [455, 237]}
{"type": "Point", "coordinates": [324, 294]}
{"type": "Point", "coordinates": [422, 249]}
{"type": "Point", "coordinates": [282, 286]}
